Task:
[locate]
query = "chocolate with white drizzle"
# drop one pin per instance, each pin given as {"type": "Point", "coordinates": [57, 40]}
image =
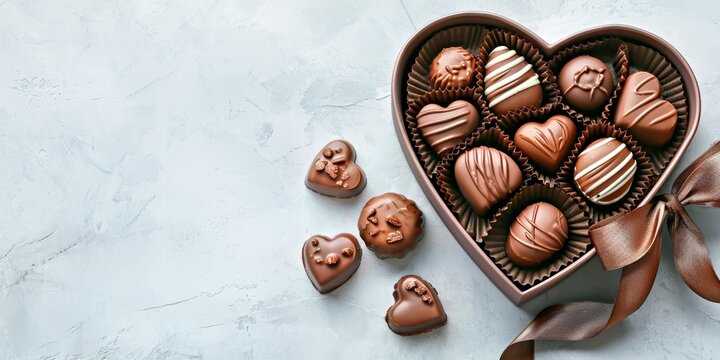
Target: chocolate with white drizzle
{"type": "Point", "coordinates": [510, 82]}
{"type": "Point", "coordinates": [604, 171]}
{"type": "Point", "coordinates": [643, 113]}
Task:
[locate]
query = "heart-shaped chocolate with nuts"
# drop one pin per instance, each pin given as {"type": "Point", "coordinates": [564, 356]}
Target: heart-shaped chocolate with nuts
{"type": "Point", "coordinates": [417, 308]}
{"type": "Point", "coordinates": [334, 171]}
{"type": "Point", "coordinates": [445, 127]}
{"type": "Point", "coordinates": [547, 144]}
{"type": "Point", "coordinates": [643, 113]}
{"type": "Point", "coordinates": [330, 262]}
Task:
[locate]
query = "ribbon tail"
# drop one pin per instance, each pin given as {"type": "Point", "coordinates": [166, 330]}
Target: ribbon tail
{"type": "Point", "coordinates": [583, 320]}
{"type": "Point", "coordinates": [691, 257]}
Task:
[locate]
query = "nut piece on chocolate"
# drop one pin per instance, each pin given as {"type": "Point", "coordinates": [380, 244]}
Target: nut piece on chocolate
{"type": "Point", "coordinates": [452, 67]}
{"type": "Point", "coordinates": [334, 172]}
{"type": "Point", "coordinates": [391, 225]}
{"type": "Point", "coordinates": [330, 262]}
{"type": "Point", "coordinates": [417, 308]}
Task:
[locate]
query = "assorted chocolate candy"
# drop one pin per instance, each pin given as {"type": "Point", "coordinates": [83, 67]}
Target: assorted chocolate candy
{"type": "Point", "coordinates": [417, 308]}
{"type": "Point", "coordinates": [586, 83]}
{"type": "Point", "coordinates": [547, 144]}
{"type": "Point", "coordinates": [486, 176]}
{"type": "Point", "coordinates": [510, 82]}
{"type": "Point", "coordinates": [445, 127]}
{"type": "Point", "coordinates": [538, 233]}
{"type": "Point", "coordinates": [453, 67]}
{"type": "Point", "coordinates": [391, 225]}
{"type": "Point", "coordinates": [604, 171]}
{"type": "Point", "coordinates": [334, 172]}
{"type": "Point", "coordinates": [330, 262]}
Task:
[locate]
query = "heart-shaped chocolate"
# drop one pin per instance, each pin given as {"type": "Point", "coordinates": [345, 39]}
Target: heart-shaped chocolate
{"type": "Point", "coordinates": [547, 144]}
{"type": "Point", "coordinates": [445, 127]}
{"type": "Point", "coordinates": [330, 262]}
{"type": "Point", "coordinates": [643, 113]}
{"type": "Point", "coordinates": [417, 308]}
{"type": "Point", "coordinates": [334, 171]}
{"type": "Point", "coordinates": [404, 91]}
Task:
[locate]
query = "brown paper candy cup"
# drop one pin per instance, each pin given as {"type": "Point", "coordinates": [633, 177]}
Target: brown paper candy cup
{"type": "Point", "coordinates": [577, 244]}
{"type": "Point", "coordinates": [523, 47]}
{"type": "Point", "coordinates": [642, 181]}
{"type": "Point", "coordinates": [467, 36]}
{"type": "Point", "coordinates": [473, 223]}
{"type": "Point", "coordinates": [425, 153]}
{"type": "Point", "coordinates": [642, 58]}
{"type": "Point", "coordinates": [611, 51]}
{"type": "Point", "coordinates": [512, 121]}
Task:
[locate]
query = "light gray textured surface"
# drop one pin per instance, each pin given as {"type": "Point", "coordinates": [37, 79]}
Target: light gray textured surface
{"type": "Point", "coordinates": [152, 203]}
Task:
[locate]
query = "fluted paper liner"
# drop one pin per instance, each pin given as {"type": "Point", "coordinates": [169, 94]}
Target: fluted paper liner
{"type": "Point", "coordinates": [474, 224]}
{"type": "Point", "coordinates": [467, 36]}
{"type": "Point", "coordinates": [513, 120]}
{"type": "Point", "coordinates": [425, 153]}
{"type": "Point", "coordinates": [642, 58]}
{"type": "Point", "coordinates": [523, 47]}
{"type": "Point", "coordinates": [609, 50]}
{"type": "Point", "coordinates": [577, 244]}
{"type": "Point", "coordinates": [642, 182]}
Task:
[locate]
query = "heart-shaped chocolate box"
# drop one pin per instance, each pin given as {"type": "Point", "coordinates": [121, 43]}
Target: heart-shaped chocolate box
{"type": "Point", "coordinates": [403, 67]}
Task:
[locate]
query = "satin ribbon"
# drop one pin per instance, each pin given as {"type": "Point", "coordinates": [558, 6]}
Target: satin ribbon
{"type": "Point", "coordinates": [631, 241]}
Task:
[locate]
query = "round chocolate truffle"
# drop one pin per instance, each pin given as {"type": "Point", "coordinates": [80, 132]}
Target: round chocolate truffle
{"type": "Point", "coordinates": [538, 232]}
{"type": "Point", "coordinates": [604, 171]}
{"type": "Point", "coordinates": [453, 67]}
{"type": "Point", "coordinates": [391, 225]}
{"type": "Point", "coordinates": [485, 176]}
{"type": "Point", "coordinates": [510, 82]}
{"type": "Point", "coordinates": [586, 82]}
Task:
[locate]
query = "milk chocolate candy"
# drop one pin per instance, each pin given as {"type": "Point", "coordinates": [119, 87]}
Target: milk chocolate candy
{"type": "Point", "coordinates": [538, 232]}
{"type": "Point", "coordinates": [643, 113]}
{"type": "Point", "coordinates": [417, 308]}
{"type": "Point", "coordinates": [334, 172]}
{"type": "Point", "coordinates": [330, 262]}
{"type": "Point", "coordinates": [452, 67]}
{"type": "Point", "coordinates": [445, 127]}
{"type": "Point", "coordinates": [486, 176]}
{"type": "Point", "coordinates": [604, 171]}
{"type": "Point", "coordinates": [586, 83]}
{"type": "Point", "coordinates": [391, 225]}
{"type": "Point", "coordinates": [547, 144]}
{"type": "Point", "coordinates": [510, 82]}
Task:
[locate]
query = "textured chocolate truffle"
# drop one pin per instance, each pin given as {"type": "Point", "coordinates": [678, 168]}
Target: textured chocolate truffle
{"type": "Point", "coordinates": [391, 225]}
{"type": "Point", "coordinates": [586, 82]}
{"type": "Point", "coordinates": [445, 127]}
{"type": "Point", "coordinates": [538, 232]}
{"type": "Point", "coordinates": [334, 172]}
{"type": "Point", "coordinates": [417, 308]}
{"type": "Point", "coordinates": [452, 67]}
{"type": "Point", "coordinates": [330, 262]}
{"type": "Point", "coordinates": [642, 111]}
{"type": "Point", "coordinates": [604, 171]}
{"type": "Point", "coordinates": [510, 82]}
{"type": "Point", "coordinates": [485, 176]}
{"type": "Point", "coordinates": [547, 144]}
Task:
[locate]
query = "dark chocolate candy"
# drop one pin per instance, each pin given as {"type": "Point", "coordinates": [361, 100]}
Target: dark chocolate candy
{"type": "Point", "coordinates": [334, 171]}
{"type": "Point", "coordinates": [417, 308]}
{"type": "Point", "coordinates": [485, 176]}
{"type": "Point", "coordinates": [445, 127]}
{"type": "Point", "coordinates": [586, 83]}
{"type": "Point", "coordinates": [642, 111]}
{"type": "Point", "coordinates": [604, 171]}
{"type": "Point", "coordinates": [538, 232]}
{"type": "Point", "coordinates": [330, 262]}
{"type": "Point", "coordinates": [547, 144]}
{"type": "Point", "coordinates": [452, 67]}
{"type": "Point", "coordinates": [510, 82]}
{"type": "Point", "coordinates": [391, 225]}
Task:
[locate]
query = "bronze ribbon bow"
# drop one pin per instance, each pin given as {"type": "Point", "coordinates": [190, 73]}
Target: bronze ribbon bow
{"type": "Point", "coordinates": [631, 241]}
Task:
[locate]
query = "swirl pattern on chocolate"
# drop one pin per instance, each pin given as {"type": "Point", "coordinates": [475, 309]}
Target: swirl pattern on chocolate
{"type": "Point", "coordinates": [538, 232]}
{"type": "Point", "coordinates": [452, 67]}
{"type": "Point", "coordinates": [510, 82]}
{"type": "Point", "coordinates": [443, 128]}
{"type": "Point", "coordinates": [485, 176]}
{"type": "Point", "coordinates": [604, 171]}
{"type": "Point", "coordinates": [643, 112]}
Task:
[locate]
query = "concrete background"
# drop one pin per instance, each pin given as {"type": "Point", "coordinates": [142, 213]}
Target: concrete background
{"type": "Point", "coordinates": [152, 157]}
